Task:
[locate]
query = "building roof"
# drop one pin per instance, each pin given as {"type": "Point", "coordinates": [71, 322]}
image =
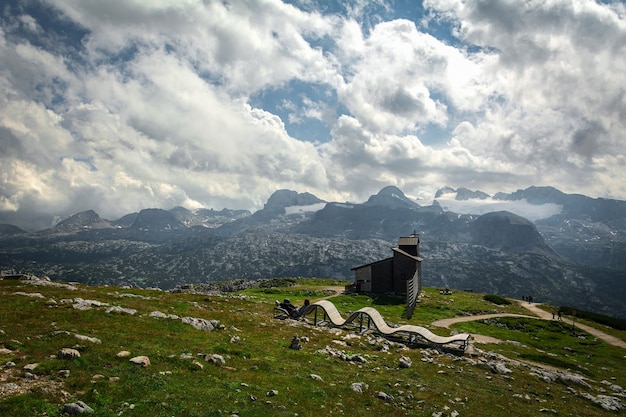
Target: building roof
{"type": "Point", "coordinates": [400, 251]}
{"type": "Point", "coordinates": [371, 263]}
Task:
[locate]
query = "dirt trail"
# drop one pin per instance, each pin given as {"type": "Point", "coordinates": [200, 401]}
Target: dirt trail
{"type": "Point", "coordinates": [612, 340]}
{"type": "Point", "coordinates": [531, 307]}
{"type": "Point", "coordinates": [538, 314]}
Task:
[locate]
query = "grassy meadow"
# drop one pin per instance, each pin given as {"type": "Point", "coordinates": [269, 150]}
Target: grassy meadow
{"type": "Point", "coordinates": [262, 376]}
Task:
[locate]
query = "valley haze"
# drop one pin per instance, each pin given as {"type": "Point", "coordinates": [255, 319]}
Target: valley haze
{"type": "Point", "coordinates": [565, 249]}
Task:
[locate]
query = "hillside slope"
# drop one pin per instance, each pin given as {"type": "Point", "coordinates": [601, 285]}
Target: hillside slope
{"type": "Point", "coordinates": [69, 345]}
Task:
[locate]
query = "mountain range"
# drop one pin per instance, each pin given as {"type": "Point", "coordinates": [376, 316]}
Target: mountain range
{"type": "Point", "coordinates": [566, 249]}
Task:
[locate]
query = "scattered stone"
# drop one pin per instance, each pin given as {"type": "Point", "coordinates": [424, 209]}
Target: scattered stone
{"type": "Point", "coordinates": [198, 364]}
{"type": "Point", "coordinates": [215, 359]}
{"type": "Point", "coordinates": [114, 378]}
{"type": "Point", "coordinates": [605, 401]}
{"type": "Point", "coordinates": [140, 360]}
{"type": "Point", "coordinates": [272, 393]}
{"type": "Point", "coordinates": [384, 396]}
{"type": "Point", "coordinates": [613, 387]}
{"type": "Point", "coordinates": [123, 354]}
{"type": "Point", "coordinates": [4, 351]}
{"type": "Point", "coordinates": [336, 353]}
{"type": "Point", "coordinates": [553, 376]}
{"type": "Point", "coordinates": [29, 294]}
{"type": "Point", "coordinates": [30, 366]}
{"type": "Point", "coordinates": [68, 353]}
{"type": "Point", "coordinates": [8, 387]}
{"type": "Point", "coordinates": [316, 377]}
{"type": "Point", "coordinates": [159, 315]}
{"type": "Point", "coordinates": [405, 362]}
{"type": "Point", "coordinates": [78, 407]}
{"type": "Point", "coordinates": [9, 365]}
{"type": "Point", "coordinates": [359, 387]}
{"type": "Point", "coordinates": [88, 339]}
{"type": "Point", "coordinates": [30, 376]}
{"type": "Point", "coordinates": [499, 368]}
{"type": "Point", "coordinates": [201, 324]}
{"type": "Point", "coordinates": [121, 310]}
{"type": "Point", "coordinates": [63, 373]}
{"type": "Point", "coordinates": [81, 304]}
{"type": "Point", "coordinates": [295, 343]}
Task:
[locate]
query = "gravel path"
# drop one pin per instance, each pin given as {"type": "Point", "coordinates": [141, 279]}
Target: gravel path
{"type": "Point", "coordinates": [538, 314]}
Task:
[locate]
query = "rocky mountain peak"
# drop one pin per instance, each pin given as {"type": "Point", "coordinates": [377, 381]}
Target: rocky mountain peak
{"type": "Point", "coordinates": [9, 229]}
{"type": "Point", "coordinates": [287, 198]}
{"type": "Point", "coordinates": [466, 194]}
{"type": "Point", "coordinates": [391, 196]}
{"type": "Point", "coordinates": [84, 219]}
{"type": "Point", "coordinates": [507, 231]}
{"type": "Point", "coordinates": [535, 195]}
{"type": "Point", "coordinates": [444, 190]}
{"type": "Point", "coordinates": [156, 219]}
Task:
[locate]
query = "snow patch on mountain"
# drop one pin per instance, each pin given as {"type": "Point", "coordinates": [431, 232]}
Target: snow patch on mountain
{"type": "Point", "coordinates": [532, 212]}
{"type": "Point", "coordinates": [304, 209]}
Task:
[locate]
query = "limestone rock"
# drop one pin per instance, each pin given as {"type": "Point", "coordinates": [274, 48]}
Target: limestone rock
{"type": "Point", "coordinates": [201, 324]}
{"type": "Point", "coordinates": [499, 368]}
{"type": "Point", "coordinates": [78, 407]}
{"type": "Point", "coordinates": [68, 353]}
{"type": "Point", "coordinates": [121, 310]}
{"type": "Point", "coordinates": [384, 396]}
{"type": "Point", "coordinates": [295, 343]}
{"type": "Point", "coordinates": [359, 387]}
{"type": "Point", "coordinates": [405, 362]}
{"type": "Point", "coordinates": [88, 339]}
{"type": "Point", "coordinates": [123, 354]}
{"type": "Point", "coordinates": [605, 401]}
{"type": "Point", "coordinates": [30, 366]}
{"type": "Point", "coordinates": [140, 360]}
{"type": "Point", "coordinates": [215, 359]}
{"type": "Point", "coordinates": [160, 315]}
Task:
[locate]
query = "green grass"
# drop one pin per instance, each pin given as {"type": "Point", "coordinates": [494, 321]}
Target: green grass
{"type": "Point", "coordinates": [260, 359]}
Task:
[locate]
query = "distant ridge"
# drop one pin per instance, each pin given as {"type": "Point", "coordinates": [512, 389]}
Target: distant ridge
{"type": "Point", "coordinates": [83, 220]}
{"type": "Point", "coordinates": [9, 229]}
{"type": "Point", "coordinates": [571, 251]}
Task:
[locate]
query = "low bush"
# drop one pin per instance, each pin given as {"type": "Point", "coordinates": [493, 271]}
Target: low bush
{"type": "Point", "coordinates": [496, 299]}
{"type": "Point", "coordinates": [613, 322]}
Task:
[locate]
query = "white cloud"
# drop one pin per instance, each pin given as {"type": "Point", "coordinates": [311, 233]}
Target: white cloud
{"type": "Point", "coordinates": [151, 108]}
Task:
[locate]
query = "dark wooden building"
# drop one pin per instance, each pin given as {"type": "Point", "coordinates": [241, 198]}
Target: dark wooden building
{"type": "Point", "coordinates": [391, 275]}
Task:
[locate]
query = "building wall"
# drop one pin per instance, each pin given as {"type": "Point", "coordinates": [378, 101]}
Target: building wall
{"type": "Point", "coordinates": [403, 269]}
{"type": "Point", "coordinates": [382, 276]}
{"type": "Point", "coordinates": [410, 245]}
{"type": "Point", "coordinates": [363, 279]}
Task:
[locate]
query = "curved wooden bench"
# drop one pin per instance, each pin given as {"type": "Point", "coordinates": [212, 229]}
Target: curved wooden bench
{"type": "Point", "coordinates": [411, 332]}
{"type": "Point", "coordinates": [329, 314]}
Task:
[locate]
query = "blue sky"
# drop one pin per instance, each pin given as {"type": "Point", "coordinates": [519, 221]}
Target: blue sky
{"type": "Point", "coordinates": [120, 105]}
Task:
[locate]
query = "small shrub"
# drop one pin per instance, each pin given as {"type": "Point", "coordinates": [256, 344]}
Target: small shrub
{"type": "Point", "coordinates": [496, 299]}
{"type": "Point", "coordinates": [613, 322]}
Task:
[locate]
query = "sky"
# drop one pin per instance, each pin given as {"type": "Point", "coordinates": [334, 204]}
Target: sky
{"type": "Point", "coordinates": [122, 105]}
